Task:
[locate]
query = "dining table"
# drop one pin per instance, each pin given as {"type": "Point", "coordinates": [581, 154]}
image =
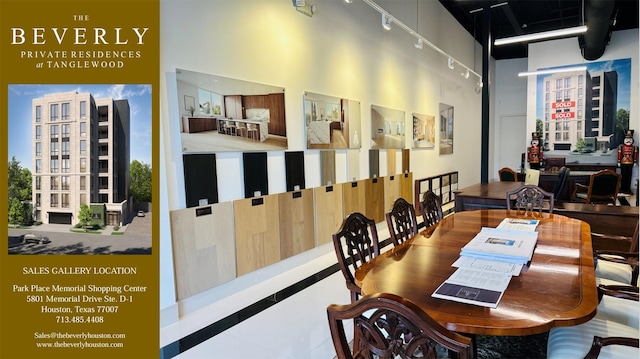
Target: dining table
{"type": "Point", "coordinates": [557, 287]}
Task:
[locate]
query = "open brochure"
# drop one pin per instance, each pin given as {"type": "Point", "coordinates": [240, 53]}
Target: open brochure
{"type": "Point", "coordinates": [488, 265]}
{"type": "Point", "coordinates": [502, 245]}
{"type": "Point", "coordinates": [519, 224]}
{"type": "Point", "coordinates": [473, 286]}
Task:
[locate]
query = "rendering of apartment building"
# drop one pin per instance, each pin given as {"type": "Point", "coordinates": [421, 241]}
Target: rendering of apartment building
{"type": "Point", "coordinates": [80, 156]}
{"type": "Point", "coordinates": [579, 105]}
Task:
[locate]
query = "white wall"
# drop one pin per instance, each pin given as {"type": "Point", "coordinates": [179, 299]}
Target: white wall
{"type": "Point", "coordinates": [341, 51]}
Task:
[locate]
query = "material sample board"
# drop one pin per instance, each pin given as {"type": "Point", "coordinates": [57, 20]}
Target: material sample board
{"type": "Point", "coordinates": [297, 224]}
{"type": "Point", "coordinates": [406, 155]}
{"type": "Point", "coordinates": [257, 229]}
{"type": "Point", "coordinates": [391, 191]}
{"type": "Point", "coordinates": [327, 167]}
{"type": "Point", "coordinates": [203, 247]}
{"type": "Point", "coordinates": [374, 163]}
{"type": "Point", "coordinates": [294, 168]}
{"type": "Point", "coordinates": [353, 194]}
{"type": "Point", "coordinates": [255, 174]}
{"type": "Point", "coordinates": [374, 198]}
{"type": "Point", "coordinates": [200, 181]}
{"type": "Point", "coordinates": [354, 165]}
{"type": "Point", "coordinates": [406, 186]}
{"type": "Point", "coordinates": [391, 162]}
{"type": "Point", "coordinates": [329, 212]}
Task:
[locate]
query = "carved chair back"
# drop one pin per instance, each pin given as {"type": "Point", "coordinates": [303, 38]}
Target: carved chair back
{"type": "Point", "coordinates": [355, 243]}
{"type": "Point", "coordinates": [530, 198]}
{"type": "Point", "coordinates": [401, 221]}
{"type": "Point", "coordinates": [393, 327]}
{"type": "Point", "coordinates": [431, 208]}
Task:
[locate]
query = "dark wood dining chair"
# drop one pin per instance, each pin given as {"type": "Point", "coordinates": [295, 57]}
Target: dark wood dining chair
{"type": "Point", "coordinates": [603, 188]}
{"type": "Point", "coordinates": [430, 208]}
{"type": "Point", "coordinates": [506, 174]}
{"type": "Point", "coordinates": [529, 198]}
{"type": "Point", "coordinates": [401, 221]}
{"type": "Point", "coordinates": [390, 326]}
{"type": "Point", "coordinates": [356, 243]}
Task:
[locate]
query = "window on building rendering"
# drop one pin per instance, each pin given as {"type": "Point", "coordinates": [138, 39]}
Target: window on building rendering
{"type": "Point", "coordinates": [38, 133]}
{"type": "Point", "coordinates": [579, 125]}
{"type": "Point", "coordinates": [83, 198]}
{"type": "Point", "coordinates": [65, 165]}
{"type": "Point", "coordinates": [558, 136]}
{"type": "Point", "coordinates": [38, 200]}
{"type": "Point", "coordinates": [579, 114]}
{"type": "Point", "coordinates": [54, 200]}
{"type": "Point", "coordinates": [595, 114]}
{"type": "Point", "coordinates": [53, 112]}
{"type": "Point", "coordinates": [54, 149]}
{"type": "Point", "coordinates": [547, 96]}
{"type": "Point", "coordinates": [567, 82]}
{"type": "Point", "coordinates": [38, 180]}
{"type": "Point", "coordinates": [66, 148]}
{"type": "Point", "coordinates": [558, 84]}
{"type": "Point", "coordinates": [53, 130]}
{"type": "Point", "coordinates": [565, 136]}
{"type": "Point", "coordinates": [66, 183]}
{"type": "Point", "coordinates": [65, 111]}
{"type": "Point", "coordinates": [54, 165]}
{"type": "Point", "coordinates": [567, 95]}
{"type": "Point", "coordinates": [38, 149]}
{"type": "Point", "coordinates": [580, 80]}
{"type": "Point", "coordinates": [38, 113]}
{"type": "Point", "coordinates": [66, 131]}
{"type": "Point", "coordinates": [65, 200]}
{"type": "Point", "coordinates": [83, 147]}
{"type": "Point", "coordinates": [595, 103]}
{"type": "Point", "coordinates": [83, 183]}
{"type": "Point", "coordinates": [83, 129]}
{"type": "Point", "coordinates": [595, 81]}
{"type": "Point", "coordinates": [83, 109]}
{"type": "Point", "coordinates": [55, 183]}
{"type": "Point", "coordinates": [38, 166]}
{"type": "Point", "coordinates": [547, 86]}
{"type": "Point", "coordinates": [580, 92]}
{"type": "Point", "coordinates": [83, 165]}
{"type": "Point", "coordinates": [558, 95]}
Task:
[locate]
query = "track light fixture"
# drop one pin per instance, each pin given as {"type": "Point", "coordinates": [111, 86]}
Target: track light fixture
{"type": "Point", "coordinates": [541, 35]}
{"type": "Point", "coordinates": [386, 21]}
{"type": "Point", "coordinates": [465, 74]}
{"type": "Point", "coordinates": [450, 63]}
{"type": "Point", "coordinates": [418, 44]}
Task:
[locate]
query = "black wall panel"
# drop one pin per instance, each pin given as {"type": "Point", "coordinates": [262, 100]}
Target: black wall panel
{"type": "Point", "coordinates": [255, 173]}
{"type": "Point", "coordinates": [294, 163]}
{"type": "Point", "coordinates": [200, 178]}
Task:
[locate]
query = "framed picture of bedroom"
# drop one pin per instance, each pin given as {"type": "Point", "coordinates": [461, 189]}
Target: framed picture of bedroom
{"type": "Point", "coordinates": [387, 127]}
{"type": "Point", "coordinates": [331, 122]}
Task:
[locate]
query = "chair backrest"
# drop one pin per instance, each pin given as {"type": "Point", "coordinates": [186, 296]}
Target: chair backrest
{"type": "Point", "coordinates": [430, 208]}
{"type": "Point", "coordinates": [532, 176]}
{"type": "Point", "coordinates": [530, 198]}
{"type": "Point", "coordinates": [506, 174]}
{"type": "Point", "coordinates": [561, 184]}
{"type": "Point", "coordinates": [356, 243]}
{"type": "Point", "coordinates": [393, 327]}
{"type": "Point", "coordinates": [604, 186]}
{"type": "Point", "coordinates": [401, 221]}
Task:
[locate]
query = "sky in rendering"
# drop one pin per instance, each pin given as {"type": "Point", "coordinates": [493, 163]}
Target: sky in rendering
{"type": "Point", "coordinates": [20, 97]}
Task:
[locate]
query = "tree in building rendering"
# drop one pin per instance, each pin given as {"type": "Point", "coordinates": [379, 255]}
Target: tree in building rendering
{"type": "Point", "coordinates": [140, 181]}
{"type": "Point", "coordinates": [85, 216]}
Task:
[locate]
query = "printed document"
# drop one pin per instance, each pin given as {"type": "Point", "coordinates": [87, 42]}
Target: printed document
{"type": "Point", "coordinates": [519, 224]}
{"type": "Point", "coordinates": [473, 286]}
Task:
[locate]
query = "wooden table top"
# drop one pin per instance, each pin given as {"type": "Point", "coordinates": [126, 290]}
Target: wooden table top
{"type": "Point", "coordinates": [493, 190]}
{"type": "Point", "coordinates": [558, 287]}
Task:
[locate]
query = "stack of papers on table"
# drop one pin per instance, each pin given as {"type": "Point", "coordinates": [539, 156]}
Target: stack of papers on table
{"type": "Point", "coordinates": [502, 245]}
{"type": "Point", "coordinates": [488, 262]}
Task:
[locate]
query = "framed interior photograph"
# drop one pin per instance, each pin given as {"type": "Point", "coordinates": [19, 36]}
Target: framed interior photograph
{"type": "Point", "coordinates": [387, 127]}
{"type": "Point", "coordinates": [189, 103]}
{"type": "Point", "coordinates": [331, 122]}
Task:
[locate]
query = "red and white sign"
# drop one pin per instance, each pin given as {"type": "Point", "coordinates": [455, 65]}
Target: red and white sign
{"type": "Point", "coordinates": [562, 115]}
{"type": "Point", "coordinates": [563, 104]}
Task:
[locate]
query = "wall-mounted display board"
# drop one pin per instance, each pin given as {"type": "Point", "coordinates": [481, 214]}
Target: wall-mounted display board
{"type": "Point", "coordinates": [200, 179]}
{"type": "Point", "coordinates": [327, 167]}
{"type": "Point", "coordinates": [391, 191]}
{"type": "Point", "coordinates": [223, 114]}
{"type": "Point", "coordinates": [353, 157]}
{"type": "Point", "coordinates": [204, 251]}
{"type": "Point", "coordinates": [387, 127]}
{"type": "Point", "coordinates": [374, 198]}
{"type": "Point", "coordinates": [443, 185]}
{"type": "Point", "coordinates": [329, 212]}
{"type": "Point", "coordinates": [446, 129]}
{"type": "Point", "coordinates": [331, 122]}
{"type": "Point", "coordinates": [294, 168]}
{"type": "Point", "coordinates": [374, 163]}
{"type": "Point", "coordinates": [391, 162]}
{"type": "Point", "coordinates": [424, 131]}
{"type": "Point", "coordinates": [297, 224]}
{"type": "Point", "coordinates": [354, 197]}
{"type": "Point", "coordinates": [256, 182]}
{"type": "Point", "coordinates": [257, 229]}
{"type": "Point", "coordinates": [406, 160]}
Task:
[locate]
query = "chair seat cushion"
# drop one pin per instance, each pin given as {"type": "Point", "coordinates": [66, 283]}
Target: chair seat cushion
{"type": "Point", "coordinates": [575, 342]}
{"type": "Point", "coordinates": [618, 272]}
{"type": "Point", "coordinates": [619, 310]}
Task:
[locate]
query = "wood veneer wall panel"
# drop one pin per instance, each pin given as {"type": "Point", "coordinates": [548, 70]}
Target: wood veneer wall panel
{"type": "Point", "coordinates": [354, 197]}
{"type": "Point", "coordinates": [203, 248]}
{"type": "Point", "coordinates": [391, 191]}
{"type": "Point", "coordinates": [406, 186]}
{"type": "Point", "coordinates": [374, 163]}
{"type": "Point", "coordinates": [255, 173]}
{"type": "Point", "coordinates": [329, 212]}
{"type": "Point", "coordinates": [374, 198]}
{"type": "Point", "coordinates": [406, 155]}
{"type": "Point", "coordinates": [294, 168]}
{"type": "Point", "coordinates": [327, 167]}
{"type": "Point", "coordinates": [297, 224]}
{"type": "Point", "coordinates": [354, 165]}
{"type": "Point", "coordinates": [257, 229]}
{"type": "Point", "coordinates": [391, 162]}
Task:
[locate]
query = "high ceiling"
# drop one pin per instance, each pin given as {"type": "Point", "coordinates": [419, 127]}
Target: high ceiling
{"type": "Point", "coordinates": [518, 17]}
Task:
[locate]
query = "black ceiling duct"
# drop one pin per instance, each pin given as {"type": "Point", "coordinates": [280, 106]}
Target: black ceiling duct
{"type": "Point", "coordinates": [598, 16]}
